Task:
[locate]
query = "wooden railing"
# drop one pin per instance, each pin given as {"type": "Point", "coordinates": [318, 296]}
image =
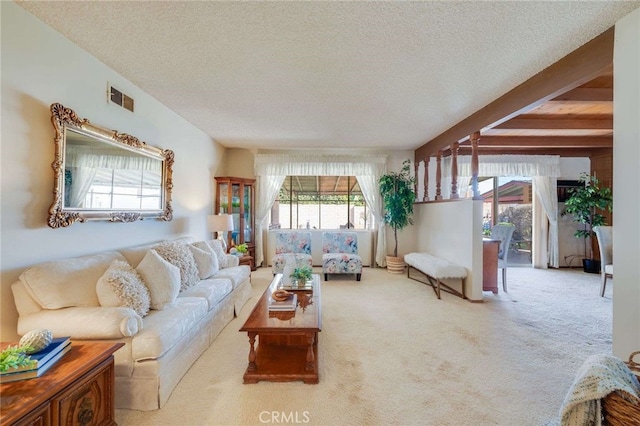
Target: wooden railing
{"type": "Point", "coordinates": [452, 151]}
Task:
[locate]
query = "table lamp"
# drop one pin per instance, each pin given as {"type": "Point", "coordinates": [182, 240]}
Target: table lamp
{"type": "Point", "coordinates": [220, 223]}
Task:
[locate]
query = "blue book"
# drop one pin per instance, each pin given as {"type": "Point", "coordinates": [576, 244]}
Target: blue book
{"type": "Point", "coordinates": [41, 358]}
{"type": "Point", "coordinates": [42, 368]}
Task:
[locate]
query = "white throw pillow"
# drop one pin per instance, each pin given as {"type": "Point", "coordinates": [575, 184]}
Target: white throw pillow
{"type": "Point", "coordinates": [162, 279]}
{"type": "Point", "coordinates": [204, 262]}
{"type": "Point", "coordinates": [216, 245]}
{"type": "Point", "coordinates": [179, 255]}
{"type": "Point", "coordinates": [121, 285]}
{"type": "Point", "coordinates": [203, 245]}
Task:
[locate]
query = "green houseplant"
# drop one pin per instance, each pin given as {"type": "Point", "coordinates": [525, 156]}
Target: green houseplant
{"type": "Point", "coordinates": [398, 196]}
{"type": "Point", "coordinates": [14, 357]}
{"type": "Point", "coordinates": [585, 203]}
{"type": "Point", "coordinates": [301, 275]}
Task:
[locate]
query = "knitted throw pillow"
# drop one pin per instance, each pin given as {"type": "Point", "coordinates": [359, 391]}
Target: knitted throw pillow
{"type": "Point", "coordinates": [179, 255]}
{"type": "Point", "coordinates": [121, 285]}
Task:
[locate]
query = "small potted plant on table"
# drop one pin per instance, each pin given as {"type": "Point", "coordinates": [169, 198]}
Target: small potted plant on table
{"type": "Point", "coordinates": [301, 275]}
{"type": "Point", "coordinates": [242, 249]}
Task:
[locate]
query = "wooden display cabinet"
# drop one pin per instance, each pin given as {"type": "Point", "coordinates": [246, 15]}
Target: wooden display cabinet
{"type": "Point", "coordinates": [236, 196]}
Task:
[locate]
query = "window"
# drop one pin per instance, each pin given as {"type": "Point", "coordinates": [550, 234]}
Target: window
{"type": "Point", "coordinates": [509, 199]}
{"type": "Point", "coordinates": [320, 202]}
{"type": "Point", "coordinates": [124, 189]}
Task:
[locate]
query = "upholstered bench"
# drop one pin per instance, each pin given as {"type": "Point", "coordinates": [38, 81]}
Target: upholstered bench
{"type": "Point", "coordinates": [340, 254]}
{"type": "Point", "coordinates": [296, 244]}
{"type": "Point", "coordinates": [436, 270]}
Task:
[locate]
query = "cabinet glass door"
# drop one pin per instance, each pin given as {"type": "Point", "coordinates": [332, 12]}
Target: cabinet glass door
{"type": "Point", "coordinates": [248, 231]}
{"type": "Point", "coordinates": [223, 194]}
{"type": "Point", "coordinates": [235, 212]}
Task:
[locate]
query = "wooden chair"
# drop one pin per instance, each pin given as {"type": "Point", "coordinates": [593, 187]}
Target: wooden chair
{"type": "Point", "coordinates": [605, 243]}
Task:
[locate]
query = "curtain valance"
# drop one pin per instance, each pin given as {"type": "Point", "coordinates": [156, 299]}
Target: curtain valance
{"type": "Point", "coordinates": [507, 165]}
{"type": "Point", "coordinates": [319, 165]}
{"type": "Point", "coordinates": [108, 158]}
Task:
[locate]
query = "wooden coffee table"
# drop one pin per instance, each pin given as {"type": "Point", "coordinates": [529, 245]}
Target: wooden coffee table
{"type": "Point", "coordinates": [287, 347]}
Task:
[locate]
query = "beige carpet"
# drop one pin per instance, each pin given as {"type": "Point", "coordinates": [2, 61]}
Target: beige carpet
{"type": "Point", "coordinates": [391, 353]}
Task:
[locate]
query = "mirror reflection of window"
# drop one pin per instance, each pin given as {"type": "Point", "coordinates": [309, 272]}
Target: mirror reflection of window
{"type": "Point", "coordinates": [103, 176]}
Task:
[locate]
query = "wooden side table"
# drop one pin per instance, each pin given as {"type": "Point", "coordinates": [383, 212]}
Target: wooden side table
{"type": "Point", "coordinates": [248, 260]}
{"type": "Point", "coordinates": [77, 390]}
{"type": "Point", "coordinates": [490, 250]}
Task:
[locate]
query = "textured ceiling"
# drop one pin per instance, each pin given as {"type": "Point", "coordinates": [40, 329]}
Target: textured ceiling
{"type": "Point", "coordinates": [275, 75]}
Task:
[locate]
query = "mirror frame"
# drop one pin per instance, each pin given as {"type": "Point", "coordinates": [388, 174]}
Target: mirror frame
{"type": "Point", "coordinates": [60, 216]}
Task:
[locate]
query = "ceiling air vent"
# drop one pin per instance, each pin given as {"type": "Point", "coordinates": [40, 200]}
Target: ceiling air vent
{"type": "Point", "coordinates": [117, 97]}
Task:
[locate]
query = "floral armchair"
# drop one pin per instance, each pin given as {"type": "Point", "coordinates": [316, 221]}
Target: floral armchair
{"type": "Point", "coordinates": [340, 254]}
{"type": "Point", "coordinates": [296, 244]}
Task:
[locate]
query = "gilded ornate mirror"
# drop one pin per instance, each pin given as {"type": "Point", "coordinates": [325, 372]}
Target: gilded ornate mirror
{"type": "Point", "coordinates": [101, 174]}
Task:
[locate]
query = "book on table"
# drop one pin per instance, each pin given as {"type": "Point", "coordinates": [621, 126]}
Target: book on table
{"type": "Point", "coordinates": [284, 305]}
{"type": "Point", "coordinates": [44, 360]}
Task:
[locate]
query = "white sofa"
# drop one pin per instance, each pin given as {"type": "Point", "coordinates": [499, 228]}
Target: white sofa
{"type": "Point", "coordinates": [159, 347]}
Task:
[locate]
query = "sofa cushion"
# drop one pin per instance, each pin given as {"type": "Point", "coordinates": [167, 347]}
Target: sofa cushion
{"type": "Point", "coordinates": [212, 289]}
{"type": "Point", "coordinates": [179, 255]}
{"type": "Point", "coordinates": [216, 245]}
{"type": "Point", "coordinates": [205, 258]}
{"type": "Point", "coordinates": [203, 245]}
{"type": "Point", "coordinates": [161, 278]}
{"type": "Point", "coordinates": [134, 255]}
{"type": "Point", "coordinates": [237, 274]}
{"type": "Point", "coordinates": [121, 285]}
{"type": "Point", "coordinates": [68, 282]}
{"type": "Point", "coordinates": [84, 322]}
{"type": "Point", "coordinates": [163, 329]}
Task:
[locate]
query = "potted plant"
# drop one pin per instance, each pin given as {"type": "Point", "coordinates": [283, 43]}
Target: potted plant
{"type": "Point", "coordinates": [301, 275]}
{"type": "Point", "coordinates": [398, 196]}
{"type": "Point", "coordinates": [584, 203]}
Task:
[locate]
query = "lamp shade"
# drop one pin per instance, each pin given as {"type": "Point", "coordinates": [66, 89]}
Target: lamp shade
{"type": "Point", "coordinates": [220, 223]}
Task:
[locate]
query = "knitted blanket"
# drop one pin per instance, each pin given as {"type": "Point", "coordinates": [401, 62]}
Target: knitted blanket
{"type": "Point", "coordinates": [598, 376]}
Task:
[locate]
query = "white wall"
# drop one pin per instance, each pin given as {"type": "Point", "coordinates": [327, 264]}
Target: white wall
{"type": "Point", "coordinates": [41, 67]}
{"type": "Point", "coordinates": [571, 167]}
{"type": "Point", "coordinates": [453, 231]}
{"type": "Point", "coordinates": [626, 186]}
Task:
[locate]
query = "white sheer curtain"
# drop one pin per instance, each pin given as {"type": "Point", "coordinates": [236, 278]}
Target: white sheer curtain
{"type": "Point", "coordinates": [267, 191]}
{"type": "Point", "coordinates": [81, 179]}
{"type": "Point", "coordinates": [366, 168]}
{"type": "Point", "coordinates": [546, 190]}
{"type": "Point", "coordinates": [371, 193]}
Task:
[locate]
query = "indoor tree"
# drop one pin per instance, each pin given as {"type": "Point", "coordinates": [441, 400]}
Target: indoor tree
{"type": "Point", "coordinates": [585, 203]}
{"type": "Point", "coordinates": [398, 196]}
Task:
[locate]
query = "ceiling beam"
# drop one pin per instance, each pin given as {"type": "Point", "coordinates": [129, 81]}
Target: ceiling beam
{"type": "Point", "coordinates": [544, 142]}
{"type": "Point", "coordinates": [575, 69]}
{"type": "Point", "coordinates": [596, 94]}
{"type": "Point", "coordinates": [563, 152]}
{"type": "Point", "coordinates": [556, 122]}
